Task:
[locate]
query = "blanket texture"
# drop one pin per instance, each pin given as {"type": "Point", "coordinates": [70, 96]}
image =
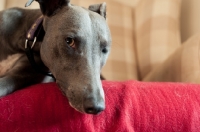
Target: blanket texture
{"type": "Point", "coordinates": [131, 106]}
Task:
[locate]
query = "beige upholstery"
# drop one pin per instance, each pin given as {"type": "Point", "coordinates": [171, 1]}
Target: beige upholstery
{"type": "Point", "coordinates": [157, 32]}
{"type": "Point", "coordinates": [147, 38]}
{"type": "Point", "coordinates": [190, 18]}
{"type": "Point", "coordinates": [2, 4]}
{"type": "Point", "coordinates": [182, 66]}
{"type": "Point", "coordinates": [19, 3]}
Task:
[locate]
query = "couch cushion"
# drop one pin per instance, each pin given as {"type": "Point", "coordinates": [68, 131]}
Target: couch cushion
{"type": "Point", "coordinates": [190, 18]}
{"type": "Point", "coordinates": [157, 32]}
{"type": "Point", "coordinates": [182, 66]}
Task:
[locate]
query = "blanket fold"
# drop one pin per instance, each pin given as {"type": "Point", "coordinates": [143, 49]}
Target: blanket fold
{"type": "Point", "coordinates": [131, 106]}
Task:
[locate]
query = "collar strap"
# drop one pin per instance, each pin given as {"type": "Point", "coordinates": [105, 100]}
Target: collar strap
{"type": "Point", "coordinates": [32, 35]}
{"type": "Point", "coordinates": [35, 29]}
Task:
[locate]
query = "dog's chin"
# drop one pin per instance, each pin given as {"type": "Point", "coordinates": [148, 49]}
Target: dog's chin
{"type": "Point", "coordinates": [81, 111]}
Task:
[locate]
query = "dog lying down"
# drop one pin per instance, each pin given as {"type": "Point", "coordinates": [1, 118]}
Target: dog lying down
{"type": "Point", "coordinates": [71, 42]}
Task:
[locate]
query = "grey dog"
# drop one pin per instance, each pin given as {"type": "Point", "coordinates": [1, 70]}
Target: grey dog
{"type": "Point", "coordinates": [72, 43]}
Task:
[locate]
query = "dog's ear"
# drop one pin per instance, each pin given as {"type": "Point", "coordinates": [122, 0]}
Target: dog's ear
{"type": "Point", "coordinates": [48, 7]}
{"type": "Point", "coordinates": [99, 8]}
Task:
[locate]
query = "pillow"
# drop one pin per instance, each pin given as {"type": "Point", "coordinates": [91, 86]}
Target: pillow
{"type": "Point", "coordinates": [182, 66]}
{"type": "Point", "coordinates": [157, 32]}
{"type": "Point", "coordinates": [189, 19]}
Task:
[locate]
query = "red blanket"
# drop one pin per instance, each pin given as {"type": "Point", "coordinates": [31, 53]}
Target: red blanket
{"type": "Point", "coordinates": [130, 107]}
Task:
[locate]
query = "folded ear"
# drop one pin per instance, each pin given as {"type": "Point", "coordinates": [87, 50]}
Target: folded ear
{"type": "Point", "coordinates": [48, 7]}
{"type": "Point", "coordinates": [99, 8]}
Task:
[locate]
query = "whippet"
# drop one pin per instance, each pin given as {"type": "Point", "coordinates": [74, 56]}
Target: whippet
{"type": "Point", "coordinates": [71, 42]}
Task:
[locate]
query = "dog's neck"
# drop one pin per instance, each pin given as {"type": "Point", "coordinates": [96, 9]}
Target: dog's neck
{"type": "Point", "coordinates": [20, 21]}
{"type": "Point", "coordinates": [35, 31]}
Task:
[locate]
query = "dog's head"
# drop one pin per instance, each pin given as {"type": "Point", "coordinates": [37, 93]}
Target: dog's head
{"type": "Point", "coordinates": [75, 48]}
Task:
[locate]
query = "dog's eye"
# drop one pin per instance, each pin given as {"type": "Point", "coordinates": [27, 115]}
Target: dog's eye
{"type": "Point", "coordinates": [70, 42]}
{"type": "Point", "coordinates": [104, 50]}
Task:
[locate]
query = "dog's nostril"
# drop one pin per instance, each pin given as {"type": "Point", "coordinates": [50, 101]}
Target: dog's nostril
{"type": "Point", "coordinates": [94, 110]}
{"type": "Point", "coordinates": [90, 110]}
{"type": "Point", "coordinates": [94, 105]}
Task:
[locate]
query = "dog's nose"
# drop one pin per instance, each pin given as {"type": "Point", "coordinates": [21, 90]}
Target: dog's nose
{"type": "Point", "coordinates": [94, 108]}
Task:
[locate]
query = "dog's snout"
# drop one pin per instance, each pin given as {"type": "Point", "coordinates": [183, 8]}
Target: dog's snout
{"type": "Point", "coordinates": [94, 108]}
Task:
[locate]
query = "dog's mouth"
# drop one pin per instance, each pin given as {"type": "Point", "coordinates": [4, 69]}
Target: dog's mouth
{"type": "Point", "coordinates": [82, 104]}
{"type": "Point", "coordinates": [77, 107]}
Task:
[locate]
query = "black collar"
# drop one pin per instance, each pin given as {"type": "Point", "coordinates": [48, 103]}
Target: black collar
{"type": "Point", "coordinates": [35, 33]}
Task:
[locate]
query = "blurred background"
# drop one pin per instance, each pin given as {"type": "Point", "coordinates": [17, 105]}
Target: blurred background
{"type": "Point", "coordinates": [144, 32]}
